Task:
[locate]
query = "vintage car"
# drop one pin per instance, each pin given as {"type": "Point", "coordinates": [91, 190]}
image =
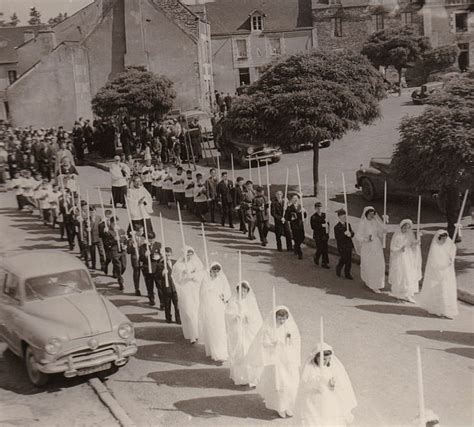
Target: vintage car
{"type": "Point", "coordinates": [243, 151]}
{"type": "Point", "coordinates": [52, 316]}
{"type": "Point", "coordinates": [203, 118]}
{"type": "Point", "coordinates": [296, 147]}
{"type": "Point", "coordinates": [371, 180]}
{"type": "Point", "coordinates": [419, 96]}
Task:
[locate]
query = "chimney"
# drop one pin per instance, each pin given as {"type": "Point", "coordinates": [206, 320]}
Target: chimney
{"type": "Point", "coordinates": [46, 39]}
{"type": "Point", "coordinates": [28, 35]}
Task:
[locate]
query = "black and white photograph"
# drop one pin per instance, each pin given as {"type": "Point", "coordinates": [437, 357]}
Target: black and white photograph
{"type": "Point", "coordinates": [237, 213]}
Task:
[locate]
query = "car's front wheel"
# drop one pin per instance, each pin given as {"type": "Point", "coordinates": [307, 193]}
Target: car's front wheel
{"type": "Point", "coordinates": [37, 378]}
{"type": "Point", "coordinates": [368, 190]}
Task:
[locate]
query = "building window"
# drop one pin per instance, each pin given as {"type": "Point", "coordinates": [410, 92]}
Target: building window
{"type": "Point", "coordinates": [275, 47]}
{"type": "Point", "coordinates": [244, 76]}
{"type": "Point", "coordinates": [337, 27]}
{"type": "Point", "coordinates": [242, 48]}
{"type": "Point", "coordinates": [407, 18]}
{"type": "Point", "coordinates": [461, 22]}
{"type": "Point", "coordinates": [257, 23]}
{"type": "Point", "coordinates": [12, 76]}
{"type": "Point", "coordinates": [379, 24]}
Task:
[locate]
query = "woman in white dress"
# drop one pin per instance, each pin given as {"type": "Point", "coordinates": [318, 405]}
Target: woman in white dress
{"type": "Point", "coordinates": [439, 291]}
{"type": "Point", "coordinates": [325, 397]}
{"type": "Point", "coordinates": [405, 262]}
{"type": "Point", "coordinates": [188, 274]}
{"type": "Point", "coordinates": [243, 321]}
{"type": "Point", "coordinates": [277, 350]}
{"type": "Point", "coordinates": [368, 244]}
{"type": "Point", "coordinates": [215, 292]}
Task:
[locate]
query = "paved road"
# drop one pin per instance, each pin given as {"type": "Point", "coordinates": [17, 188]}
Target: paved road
{"type": "Point", "coordinates": [173, 383]}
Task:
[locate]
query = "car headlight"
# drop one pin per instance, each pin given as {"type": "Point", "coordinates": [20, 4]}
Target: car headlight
{"type": "Point", "coordinates": [125, 331]}
{"type": "Point", "coordinates": [249, 150]}
{"type": "Point", "coordinates": [53, 346]}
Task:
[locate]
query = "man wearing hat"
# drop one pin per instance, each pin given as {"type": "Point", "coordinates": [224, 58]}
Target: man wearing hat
{"type": "Point", "coordinates": [320, 235]}
{"type": "Point", "coordinates": [344, 234]}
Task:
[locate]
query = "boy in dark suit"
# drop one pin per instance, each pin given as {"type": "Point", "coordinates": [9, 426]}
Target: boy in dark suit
{"type": "Point", "coordinates": [344, 234]}
{"type": "Point", "coordinates": [169, 290]}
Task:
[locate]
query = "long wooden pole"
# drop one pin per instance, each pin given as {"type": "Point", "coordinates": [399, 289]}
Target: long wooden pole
{"type": "Point", "coordinates": [117, 237]}
{"type": "Point", "coordinates": [250, 168]}
{"type": "Point", "coordinates": [259, 174]}
{"type": "Point", "coordinates": [181, 229]}
{"type": "Point", "coordinates": [345, 201]}
{"type": "Point", "coordinates": [285, 200]}
{"type": "Point", "coordinates": [103, 210]}
{"type": "Point", "coordinates": [421, 392]}
{"type": "Point", "coordinates": [81, 220]}
{"type": "Point", "coordinates": [204, 243]}
{"type": "Point", "coordinates": [321, 337]}
{"type": "Point", "coordinates": [418, 221]}
{"type": "Point", "coordinates": [165, 261]}
{"type": "Point", "coordinates": [384, 243]}
{"type": "Point", "coordinates": [89, 232]}
{"type": "Point", "coordinates": [268, 192]}
{"type": "Point", "coordinates": [218, 166]}
{"type": "Point", "coordinates": [232, 165]}
{"type": "Point", "coordinates": [458, 224]}
{"type": "Point", "coordinates": [132, 231]}
{"type": "Point", "coordinates": [301, 195]}
{"type": "Point", "coordinates": [147, 242]}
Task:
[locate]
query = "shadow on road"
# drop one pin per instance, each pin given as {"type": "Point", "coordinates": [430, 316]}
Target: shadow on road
{"type": "Point", "coordinates": [247, 406]}
{"type": "Point", "coordinates": [463, 338]}
{"type": "Point", "coordinates": [217, 378]}
{"type": "Point", "coordinates": [462, 351]}
{"type": "Point", "coordinates": [401, 310]}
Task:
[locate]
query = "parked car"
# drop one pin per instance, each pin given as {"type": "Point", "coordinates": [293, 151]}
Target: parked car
{"type": "Point", "coordinates": [243, 151]}
{"type": "Point", "coordinates": [371, 181]}
{"type": "Point", "coordinates": [204, 120]}
{"type": "Point", "coordinates": [419, 96]}
{"type": "Point", "coordinates": [296, 147]}
{"type": "Point", "coordinates": [52, 316]}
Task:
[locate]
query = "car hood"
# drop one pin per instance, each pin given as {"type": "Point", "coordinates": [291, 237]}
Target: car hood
{"type": "Point", "coordinates": [73, 316]}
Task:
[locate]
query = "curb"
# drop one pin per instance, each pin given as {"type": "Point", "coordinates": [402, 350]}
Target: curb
{"type": "Point", "coordinates": [464, 296]}
{"type": "Point", "coordinates": [109, 401]}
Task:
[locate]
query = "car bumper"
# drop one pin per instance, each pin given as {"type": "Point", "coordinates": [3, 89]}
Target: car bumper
{"type": "Point", "coordinates": [263, 157]}
{"type": "Point", "coordinates": [73, 363]}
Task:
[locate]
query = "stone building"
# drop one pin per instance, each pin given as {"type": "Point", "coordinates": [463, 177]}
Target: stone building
{"type": "Point", "coordinates": [62, 68]}
{"type": "Point", "coordinates": [248, 34]}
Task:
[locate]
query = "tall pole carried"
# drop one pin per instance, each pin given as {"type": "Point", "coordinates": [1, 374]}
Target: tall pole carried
{"type": "Point", "coordinates": [458, 224]}
{"type": "Point", "coordinates": [132, 231]}
{"type": "Point", "coordinates": [421, 392]}
{"type": "Point", "coordinates": [165, 261]}
{"type": "Point", "coordinates": [268, 192]}
{"type": "Point", "coordinates": [301, 195]}
{"type": "Point", "coordinates": [104, 219]}
{"type": "Point", "coordinates": [147, 242]}
{"type": "Point", "coordinates": [117, 237]}
{"type": "Point", "coordinates": [250, 168]}
{"type": "Point", "coordinates": [81, 229]}
{"type": "Point", "coordinates": [88, 219]}
{"type": "Point", "coordinates": [285, 200]}
{"type": "Point", "coordinates": [204, 244]}
{"type": "Point", "coordinates": [232, 166]}
{"type": "Point", "coordinates": [345, 201]}
{"type": "Point", "coordinates": [418, 221]}
{"type": "Point", "coordinates": [384, 213]}
{"type": "Point", "coordinates": [181, 229]}
{"type": "Point", "coordinates": [321, 337]}
{"type": "Point", "coordinates": [259, 174]}
{"type": "Point", "coordinates": [326, 210]}
{"type": "Point", "coordinates": [218, 165]}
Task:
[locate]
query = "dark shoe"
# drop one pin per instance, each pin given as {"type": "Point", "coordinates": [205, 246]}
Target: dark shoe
{"type": "Point", "coordinates": [169, 321]}
{"type": "Point", "coordinates": [264, 244]}
{"type": "Point", "coordinates": [300, 256]}
{"type": "Point", "coordinates": [138, 293]}
{"type": "Point", "coordinates": [349, 277]}
{"type": "Point", "coordinates": [151, 303]}
{"type": "Point", "coordinates": [231, 226]}
{"type": "Point", "coordinates": [121, 287]}
{"type": "Point", "coordinates": [162, 307]}
{"type": "Point", "coordinates": [279, 249]}
{"type": "Point", "coordinates": [325, 266]}
{"type": "Point", "coordinates": [316, 261]}
{"type": "Point", "coordinates": [290, 249]}
{"type": "Point", "coordinates": [178, 321]}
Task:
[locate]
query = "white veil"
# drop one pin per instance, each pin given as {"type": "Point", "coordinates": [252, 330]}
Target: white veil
{"type": "Point", "coordinates": [363, 230]}
{"type": "Point", "coordinates": [440, 255]}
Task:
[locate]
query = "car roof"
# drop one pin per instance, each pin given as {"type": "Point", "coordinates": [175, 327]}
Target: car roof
{"type": "Point", "coordinates": [36, 263]}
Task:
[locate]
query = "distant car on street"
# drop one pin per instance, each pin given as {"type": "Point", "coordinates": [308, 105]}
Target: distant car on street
{"type": "Point", "coordinates": [52, 316]}
{"type": "Point", "coordinates": [243, 151]}
{"type": "Point", "coordinates": [371, 180]}
{"type": "Point", "coordinates": [296, 147]}
{"type": "Point", "coordinates": [419, 96]}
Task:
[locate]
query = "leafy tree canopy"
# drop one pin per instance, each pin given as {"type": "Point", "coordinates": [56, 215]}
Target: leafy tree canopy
{"type": "Point", "coordinates": [437, 147]}
{"type": "Point", "coordinates": [135, 92]}
{"type": "Point", "coordinates": [35, 16]}
{"type": "Point", "coordinates": [440, 58]}
{"type": "Point", "coordinates": [58, 19]}
{"type": "Point", "coordinates": [399, 47]}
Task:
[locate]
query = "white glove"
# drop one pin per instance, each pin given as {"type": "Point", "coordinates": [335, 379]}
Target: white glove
{"type": "Point", "coordinates": [347, 233]}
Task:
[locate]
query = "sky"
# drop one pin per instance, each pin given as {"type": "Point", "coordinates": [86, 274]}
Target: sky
{"type": "Point", "coordinates": [47, 8]}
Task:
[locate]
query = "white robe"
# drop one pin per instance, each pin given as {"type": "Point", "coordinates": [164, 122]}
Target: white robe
{"type": "Point", "coordinates": [139, 211]}
{"type": "Point", "coordinates": [280, 378]}
{"type": "Point", "coordinates": [212, 328]}
{"type": "Point", "coordinates": [317, 404]}
{"type": "Point", "coordinates": [243, 320]}
{"type": "Point", "coordinates": [187, 278]}
{"type": "Point", "coordinates": [405, 265]}
{"type": "Point", "coordinates": [372, 261]}
{"type": "Point", "coordinates": [439, 291]}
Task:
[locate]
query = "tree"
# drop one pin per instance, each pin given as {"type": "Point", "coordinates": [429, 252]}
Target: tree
{"type": "Point", "coordinates": [399, 47]}
{"type": "Point", "coordinates": [14, 20]}
{"type": "Point", "coordinates": [309, 97]}
{"type": "Point", "coordinates": [436, 149]}
{"type": "Point", "coordinates": [58, 19]}
{"type": "Point", "coordinates": [135, 93]}
{"type": "Point", "coordinates": [35, 16]}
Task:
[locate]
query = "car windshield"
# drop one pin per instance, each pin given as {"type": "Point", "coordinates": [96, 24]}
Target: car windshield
{"type": "Point", "coordinates": [59, 284]}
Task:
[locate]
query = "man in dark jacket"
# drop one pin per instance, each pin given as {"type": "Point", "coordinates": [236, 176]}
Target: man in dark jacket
{"type": "Point", "coordinates": [247, 201]}
{"type": "Point", "coordinates": [282, 227]}
{"type": "Point", "coordinates": [151, 251]}
{"type": "Point", "coordinates": [224, 194]}
{"type": "Point", "coordinates": [321, 235]}
{"type": "Point", "coordinates": [344, 234]}
{"type": "Point", "coordinates": [295, 215]}
{"type": "Point", "coordinates": [115, 244]}
{"type": "Point", "coordinates": [238, 197]}
{"type": "Point", "coordinates": [169, 290]}
{"type": "Point", "coordinates": [260, 209]}
{"type": "Point", "coordinates": [211, 189]}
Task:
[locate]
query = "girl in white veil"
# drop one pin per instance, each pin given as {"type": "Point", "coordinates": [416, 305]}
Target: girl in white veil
{"type": "Point", "coordinates": [276, 349]}
{"type": "Point", "coordinates": [243, 321]}
{"type": "Point", "coordinates": [439, 291]}
{"type": "Point", "coordinates": [405, 262]}
{"type": "Point", "coordinates": [188, 274]}
{"type": "Point", "coordinates": [325, 397]}
{"type": "Point", "coordinates": [215, 292]}
{"type": "Point", "coordinates": [368, 244]}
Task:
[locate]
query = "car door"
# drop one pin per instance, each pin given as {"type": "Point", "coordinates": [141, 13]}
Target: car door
{"type": "Point", "coordinates": [10, 307]}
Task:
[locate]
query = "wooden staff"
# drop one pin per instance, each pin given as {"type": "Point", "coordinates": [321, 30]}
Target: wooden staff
{"type": "Point", "coordinates": [240, 300]}
{"type": "Point", "coordinates": [345, 201]}
{"type": "Point", "coordinates": [268, 192]}
{"type": "Point", "coordinates": [418, 220]}
{"type": "Point", "coordinates": [301, 195]}
{"type": "Point", "coordinates": [421, 393]}
{"type": "Point", "coordinates": [328, 228]}
{"type": "Point", "coordinates": [259, 174]}
{"type": "Point", "coordinates": [384, 213]}
{"type": "Point", "coordinates": [250, 168]}
{"type": "Point", "coordinates": [458, 224]}
{"type": "Point", "coordinates": [80, 219]}
{"type": "Point", "coordinates": [285, 200]}
{"type": "Point", "coordinates": [89, 231]}
{"type": "Point", "coordinates": [181, 229]}
{"type": "Point", "coordinates": [218, 166]}
{"type": "Point", "coordinates": [206, 256]}
{"type": "Point", "coordinates": [232, 165]}
{"type": "Point", "coordinates": [165, 261]}
{"type": "Point", "coordinates": [321, 354]}
{"type": "Point", "coordinates": [103, 210]}
{"type": "Point", "coordinates": [117, 237]}
{"type": "Point", "coordinates": [147, 242]}
{"type": "Point", "coordinates": [277, 377]}
{"type": "Point", "coordinates": [132, 231]}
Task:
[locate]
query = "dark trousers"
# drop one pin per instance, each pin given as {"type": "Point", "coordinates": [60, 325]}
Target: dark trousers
{"type": "Point", "coordinates": [148, 187]}
{"type": "Point", "coordinates": [99, 246]}
{"type": "Point", "coordinates": [70, 234]}
{"type": "Point", "coordinates": [179, 198]}
{"type": "Point", "coordinates": [243, 225]}
{"type": "Point", "coordinates": [283, 229]}
{"type": "Point", "coordinates": [345, 260]}
{"type": "Point", "coordinates": [171, 298]}
{"type": "Point", "coordinates": [226, 212]}
{"type": "Point", "coordinates": [136, 276]}
{"type": "Point", "coordinates": [262, 227]}
{"type": "Point", "coordinates": [212, 209]}
{"type": "Point", "coordinates": [189, 203]}
{"type": "Point", "coordinates": [251, 228]}
{"type": "Point", "coordinates": [321, 250]}
{"type": "Point", "coordinates": [119, 264]}
{"type": "Point", "coordinates": [152, 281]}
{"type": "Point", "coordinates": [46, 215]}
